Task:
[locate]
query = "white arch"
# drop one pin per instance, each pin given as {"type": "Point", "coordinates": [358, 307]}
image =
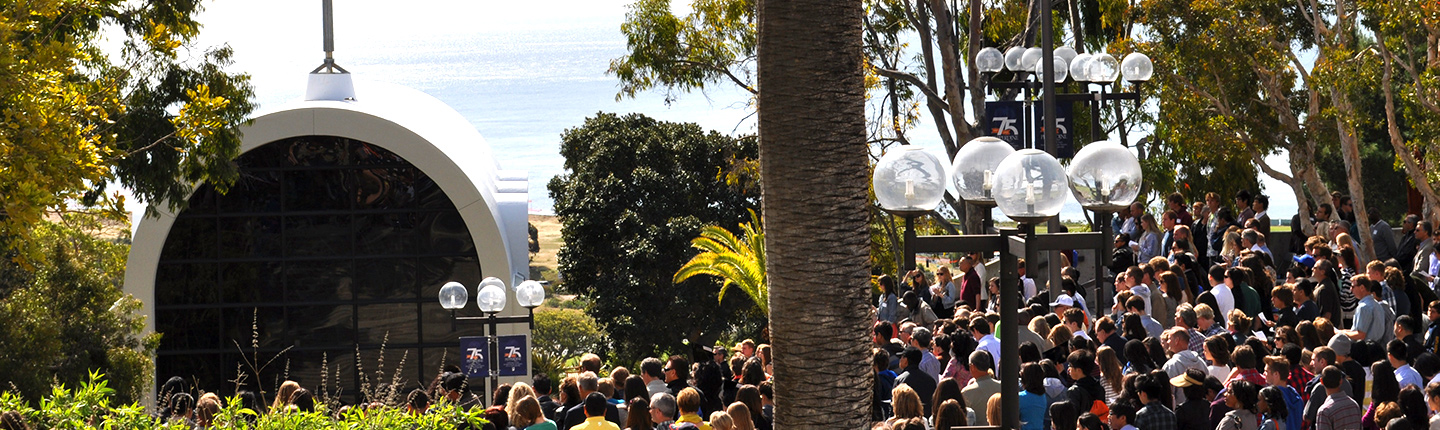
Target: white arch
{"type": "Point", "coordinates": [421, 129]}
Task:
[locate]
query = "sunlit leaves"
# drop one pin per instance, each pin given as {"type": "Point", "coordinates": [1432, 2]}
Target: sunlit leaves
{"type": "Point", "coordinates": [73, 119]}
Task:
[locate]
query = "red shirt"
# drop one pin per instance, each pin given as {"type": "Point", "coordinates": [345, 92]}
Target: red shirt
{"type": "Point", "coordinates": [970, 286]}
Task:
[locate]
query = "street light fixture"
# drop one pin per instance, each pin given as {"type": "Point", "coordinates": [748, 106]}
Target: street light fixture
{"type": "Point", "coordinates": [1137, 67]}
{"type": "Point", "coordinates": [1104, 176]}
{"type": "Point", "coordinates": [1030, 186]}
{"type": "Point", "coordinates": [974, 169]}
{"type": "Point", "coordinates": [490, 297]}
{"type": "Point", "coordinates": [909, 180]}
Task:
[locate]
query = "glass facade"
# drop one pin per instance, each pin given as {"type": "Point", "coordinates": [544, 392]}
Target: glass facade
{"type": "Point", "coordinates": [326, 254]}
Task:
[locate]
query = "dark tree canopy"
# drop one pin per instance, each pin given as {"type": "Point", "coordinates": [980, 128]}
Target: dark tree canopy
{"type": "Point", "coordinates": [636, 192]}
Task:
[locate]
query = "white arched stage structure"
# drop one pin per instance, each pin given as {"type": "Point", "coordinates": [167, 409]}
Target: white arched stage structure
{"type": "Point", "coordinates": [428, 134]}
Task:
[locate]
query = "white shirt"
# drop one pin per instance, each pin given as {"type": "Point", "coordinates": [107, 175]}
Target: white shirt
{"type": "Point", "coordinates": [1143, 292]}
{"type": "Point", "coordinates": [1029, 284]}
{"type": "Point", "coordinates": [991, 345]}
{"type": "Point", "coordinates": [984, 282]}
{"type": "Point", "coordinates": [1225, 298]}
{"type": "Point", "coordinates": [1408, 376]}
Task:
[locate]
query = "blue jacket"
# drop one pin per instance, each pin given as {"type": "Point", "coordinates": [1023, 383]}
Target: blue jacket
{"type": "Point", "coordinates": [1293, 406]}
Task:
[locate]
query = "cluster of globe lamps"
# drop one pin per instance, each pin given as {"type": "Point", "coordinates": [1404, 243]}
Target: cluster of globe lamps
{"type": "Point", "coordinates": [1099, 68]}
{"type": "Point", "coordinates": [490, 295]}
{"type": "Point", "coordinates": [1028, 185]}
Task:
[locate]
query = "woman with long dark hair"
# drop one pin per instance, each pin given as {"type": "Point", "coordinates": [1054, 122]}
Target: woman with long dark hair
{"type": "Point", "coordinates": [1412, 403]}
{"type": "Point", "coordinates": [1382, 390]}
{"type": "Point", "coordinates": [1241, 397]}
{"type": "Point", "coordinates": [1139, 357]}
{"type": "Point", "coordinates": [639, 416]}
{"type": "Point", "coordinates": [1272, 409]}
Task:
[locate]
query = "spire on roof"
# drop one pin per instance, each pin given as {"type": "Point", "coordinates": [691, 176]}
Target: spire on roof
{"type": "Point", "coordinates": [329, 65]}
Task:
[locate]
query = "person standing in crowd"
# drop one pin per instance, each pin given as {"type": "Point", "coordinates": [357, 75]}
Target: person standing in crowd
{"type": "Point", "coordinates": [1339, 412]}
{"type": "Point", "coordinates": [1384, 236]}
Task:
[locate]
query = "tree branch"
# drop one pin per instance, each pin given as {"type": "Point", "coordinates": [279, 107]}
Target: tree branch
{"type": "Point", "coordinates": [914, 80]}
{"type": "Point", "coordinates": [726, 71]}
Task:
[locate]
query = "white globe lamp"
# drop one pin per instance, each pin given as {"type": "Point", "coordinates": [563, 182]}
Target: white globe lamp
{"type": "Point", "coordinates": [1030, 186]}
{"type": "Point", "coordinates": [1104, 176]}
{"type": "Point", "coordinates": [909, 181]}
{"type": "Point", "coordinates": [974, 169]}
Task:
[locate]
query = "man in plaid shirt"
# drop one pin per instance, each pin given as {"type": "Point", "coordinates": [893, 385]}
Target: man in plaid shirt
{"type": "Point", "coordinates": [1339, 411]}
{"type": "Point", "coordinates": [1185, 318]}
{"type": "Point", "coordinates": [1154, 416]}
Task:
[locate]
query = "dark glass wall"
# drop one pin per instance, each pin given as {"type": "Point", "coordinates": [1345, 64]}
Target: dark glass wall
{"type": "Point", "coordinates": [325, 248]}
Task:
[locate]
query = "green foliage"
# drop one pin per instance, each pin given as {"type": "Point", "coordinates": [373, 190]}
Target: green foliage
{"type": "Point", "coordinates": [65, 316]}
{"type": "Point", "coordinates": [74, 119]}
{"type": "Point", "coordinates": [716, 42]}
{"type": "Point", "coordinates": [636, 192]}
{"type": "Point", "coordinates": [739, 261]}
{"type": "Point", "coordinates": [92, 404]}
{"type": "Point", "coordinates": [563, 334]}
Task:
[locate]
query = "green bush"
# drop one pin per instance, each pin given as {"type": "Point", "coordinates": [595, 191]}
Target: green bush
{"type": "Point", "coordinates": [563, 334]}
{"type": "Point", "coordinates": [65, 315]}
{"type": "Point", "coordinates": [92, 406]}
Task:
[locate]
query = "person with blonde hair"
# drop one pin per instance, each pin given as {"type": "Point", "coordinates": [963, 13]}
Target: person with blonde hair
{"type": "Point", "coordinates": [740, 414]}
{"type": "Point", "coordinates": [519, 391]}
{"type": "Point", "coordinates": [992, 409]}
{"type": "Point", "coordinates": [721, 421]}
{"type": "Point", "coordinates": [906, 403]}
{"type": "Point", "coordinates": [527, 415]}
{"type": "Point", "coordinates": [284, 395]}
{"type": "Point", "coordinates": [206, 409]}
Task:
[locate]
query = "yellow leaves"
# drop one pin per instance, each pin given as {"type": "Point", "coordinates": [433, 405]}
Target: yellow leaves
{"type": "Point", "coordinates": [160, 37]}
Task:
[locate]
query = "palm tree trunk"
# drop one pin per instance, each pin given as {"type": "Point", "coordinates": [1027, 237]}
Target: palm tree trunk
{"type": "Point", "coordinates": [813, 161]}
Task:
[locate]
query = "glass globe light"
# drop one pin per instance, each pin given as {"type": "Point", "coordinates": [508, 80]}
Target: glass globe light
{"type": "Point", "coordinates": [530, 294]}
{"type": "Point", "coordinates": [989, 60]}
{"type": "Point", "coordinates": [909, 180]}
{"type": "Point", "coordinates": [1103, 68]}
{"type": "Point", "coordinates": [491, 297]}
{"type": "Point", "coordinates": [1061, 70]}
{"type": "Point", "coordinates": [1104, 175]}
{"type": "Point", "coordinates": [1030, 58]}
{"type": "Point", "coordinates": [974, 169]}
{"type": "Point", "coordinates": [1080, 68]}
{"type": "Point", "coordinates": [1030, 186]}
{"type": "Point", "coordinates": [1012, 58]}
{"type": "Point", "coordinates": [1137, 67]}
{"type": "Point", "coordinates": [453, 296]}
{"type": "Point", "coordinates": [1065, 52]}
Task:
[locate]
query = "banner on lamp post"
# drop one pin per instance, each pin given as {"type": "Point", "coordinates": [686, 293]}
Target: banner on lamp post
{"type": "Point", "coordinates": [514, 356]}
{"type": "Point", "coordinates": [474, 356]}
{"type": "Point", "coordinates": [1064, 118]}
{"type": "Point", "coordinates": [1005, 120]}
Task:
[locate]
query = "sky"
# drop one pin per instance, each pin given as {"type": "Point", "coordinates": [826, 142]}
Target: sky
{"type": "Point", "coordinates": [429, 44]}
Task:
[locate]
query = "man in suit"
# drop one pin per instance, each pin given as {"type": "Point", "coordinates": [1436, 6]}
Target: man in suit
{"type": "Point", "coordinates": [589, 383]}
{"type": "Point", "coordinates": [541, 383]}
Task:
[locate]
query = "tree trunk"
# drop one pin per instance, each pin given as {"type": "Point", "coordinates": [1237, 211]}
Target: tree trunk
{"type": "Point", "coordinates": [814, 165]}
{"type": "Point", "coordinates": [1350, 150]}
{"type": "Point", "coordinates": [1397, 140]}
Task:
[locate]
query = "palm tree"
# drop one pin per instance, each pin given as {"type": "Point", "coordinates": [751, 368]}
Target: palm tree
{"type": "Point", "coordinates": [739, 261]}
{"type": "Point", "coordinates": [814, 169]}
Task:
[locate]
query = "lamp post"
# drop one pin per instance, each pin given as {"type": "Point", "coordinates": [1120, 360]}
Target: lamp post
{"type": "Point", "coordinates": [490, 297]}
{"type": "Point", "coordinates": [1030, 187]}
{"type": "Point", "coordinates": [1050, 66]}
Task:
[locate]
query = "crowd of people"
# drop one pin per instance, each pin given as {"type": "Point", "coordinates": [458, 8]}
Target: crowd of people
{"type": "Point", "coordinates": [728, 392]}
{"type": "Point", "coordinates": [1205, 330]}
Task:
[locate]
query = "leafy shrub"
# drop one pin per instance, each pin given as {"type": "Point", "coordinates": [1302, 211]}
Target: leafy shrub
{"type": "Point", "coordinates": [92, 405]}
{"type": "Point", "coordinates": [562, 334]}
